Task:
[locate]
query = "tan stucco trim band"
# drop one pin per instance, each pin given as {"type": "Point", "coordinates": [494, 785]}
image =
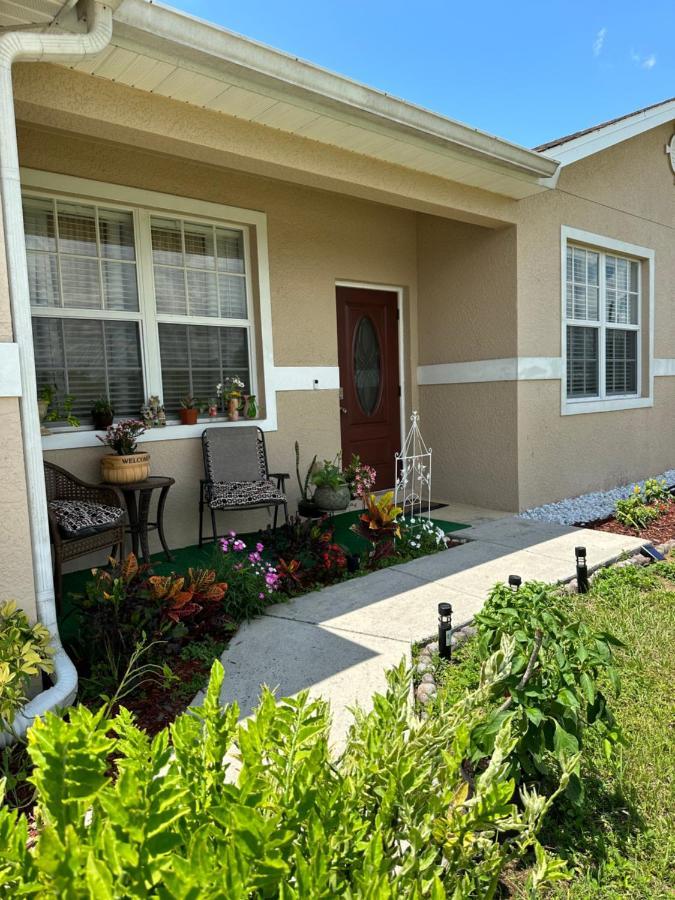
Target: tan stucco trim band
{"type": "Point", "coordinates": [10, 370]}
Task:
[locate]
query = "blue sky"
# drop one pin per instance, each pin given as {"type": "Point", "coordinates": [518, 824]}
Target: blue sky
{"type": "Point", "coordinates": [526, 71]}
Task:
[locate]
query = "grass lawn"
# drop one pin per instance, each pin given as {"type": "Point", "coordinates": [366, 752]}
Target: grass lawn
{"type": "Point", "coordinates": [621, 843]}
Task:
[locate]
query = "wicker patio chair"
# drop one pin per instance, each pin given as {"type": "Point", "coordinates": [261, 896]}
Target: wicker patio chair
{"type": "Point", "coordinates": [236, 475]}
{"type": "Point", "coordinates": [81, 519]}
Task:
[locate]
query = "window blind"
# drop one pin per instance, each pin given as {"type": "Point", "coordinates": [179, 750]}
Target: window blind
{"type": "Point", "coordinates": [602, 330]}
{"type": "Point", "coordinates": [89, 358]}
{"type": "Point", "coordinates": [196, 358]}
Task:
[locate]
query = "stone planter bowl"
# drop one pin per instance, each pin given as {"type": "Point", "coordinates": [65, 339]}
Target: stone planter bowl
{"type": "Point", "coordinates": [332, 499]}
{"type": "Point", "coordinates": [125, 469]}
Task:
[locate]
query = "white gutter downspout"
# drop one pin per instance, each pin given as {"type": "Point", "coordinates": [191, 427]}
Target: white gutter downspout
{"type": "Point", "coordinates": [31, 47]}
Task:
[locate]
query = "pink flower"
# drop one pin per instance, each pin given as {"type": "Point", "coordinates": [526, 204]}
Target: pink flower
{"type": "Point", "coordinates": [233, 534]}
{"type": "Point", "coordinates": [261, 596]}
{"type": "Point", "coordinates": [259, 547]}
{"type": "Point", "coordinates": [224, 546]}
{"type": "Point", "coordinates": [254, 557]}
{"type": "Point", "coordinates": [239, 544]}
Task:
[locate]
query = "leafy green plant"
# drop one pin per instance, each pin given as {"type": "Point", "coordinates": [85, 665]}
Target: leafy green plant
{"type": "Point", "coordinates": [560, 668]}
{"type": "Point", "coordinates": [644, 505]}
{"type": "Point", "coordinates": [128, 816]}
{"type": "Point", "coordinates": [58, 412]}
{"type": "Point", "coordinates": [379, 524]}
{"type": "Point", "coordinates": [25, 651]}
{"type": "Point", "coordinates": [125, 607]}
{"type": "Point", "coordinates": [329, 474]}
{"type": "Point", "coordinates": [103, 406]}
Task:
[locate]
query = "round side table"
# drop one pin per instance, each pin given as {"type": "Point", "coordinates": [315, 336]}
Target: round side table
{"type": "Point", "coordinates": [139, 512]}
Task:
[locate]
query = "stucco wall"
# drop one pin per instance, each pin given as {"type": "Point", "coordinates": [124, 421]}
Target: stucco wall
{"type": "Point", "coordinates": [315, 239]}
{"type": "Point", "coordinates": [626, 193]}
{"type": "Point", "coordinates": [16, 571]}
{"type": "Point", "coordinates": [467, 311]}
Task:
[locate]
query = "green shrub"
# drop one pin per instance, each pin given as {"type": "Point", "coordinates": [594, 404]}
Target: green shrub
{"type": "Point", "coordinates": [644, 505]}
{"type": "Point", "coordinates": [394, 817]}
{"type": "Point", "coordinates": [25, 651]}
{"type": "Point", "coordinates": [560, 666]}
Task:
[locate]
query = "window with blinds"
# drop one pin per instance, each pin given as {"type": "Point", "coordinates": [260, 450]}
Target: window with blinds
{"type": "Point", "coordinates": [95, 335]}
{"type": "Point", "coordinates": [602, 326]}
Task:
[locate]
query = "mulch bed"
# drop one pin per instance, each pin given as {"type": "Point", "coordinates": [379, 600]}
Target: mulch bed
{"type": "Point", "coordinates": [657, 532]}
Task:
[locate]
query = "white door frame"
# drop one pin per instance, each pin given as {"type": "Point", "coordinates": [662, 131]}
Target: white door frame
{"type": "Point", "coordinates": [393, 289]}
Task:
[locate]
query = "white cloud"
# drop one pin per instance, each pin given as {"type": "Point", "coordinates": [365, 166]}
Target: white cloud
{"type": "Point", "coordinates": [599, 41]}
{"type": "Point", "coordinates": [645, 62]}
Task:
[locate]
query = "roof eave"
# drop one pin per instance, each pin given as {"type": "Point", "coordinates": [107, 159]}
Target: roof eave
{"type": "Point", "coordinates": [156, 26]}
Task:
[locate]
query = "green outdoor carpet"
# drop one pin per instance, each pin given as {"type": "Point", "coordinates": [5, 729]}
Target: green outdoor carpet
{"type": "Point", "coordinates": [200, 557]}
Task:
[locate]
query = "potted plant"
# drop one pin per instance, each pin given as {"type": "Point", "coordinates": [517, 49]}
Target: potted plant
{"type": "Point", "coordinates": [306, 505]}
{"type": "Point", "coordinates": [102, 413]}
{"type": "Point", "coordinates": [331, 491]}
{"type": "Point", "coordinates": [51, 411]}
{"type": "Point", "coordinates": [124, 464]}
{"type": "Point", "coordinates": [189, 410]}
{"type": "Point", "coordinates": [231, 392]}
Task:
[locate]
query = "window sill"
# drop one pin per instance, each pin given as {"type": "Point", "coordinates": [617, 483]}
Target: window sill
{"type": "Point", "coordinates": [578, 407]}
{"type": "Point", "coordinates": [70, 438]}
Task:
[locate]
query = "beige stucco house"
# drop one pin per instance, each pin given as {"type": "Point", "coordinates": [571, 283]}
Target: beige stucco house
{"type": "Point", "coordinates": [197, 205]}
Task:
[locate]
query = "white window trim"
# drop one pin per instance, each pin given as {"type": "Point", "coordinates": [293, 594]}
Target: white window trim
{"type": "Point", "coordinates": [569, 407]}
{"type": "Point", "coordinates": [141, 202]}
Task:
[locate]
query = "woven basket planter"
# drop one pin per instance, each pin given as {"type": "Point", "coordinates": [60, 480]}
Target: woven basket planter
{"type": "Point", "coordinates": [125, 469]}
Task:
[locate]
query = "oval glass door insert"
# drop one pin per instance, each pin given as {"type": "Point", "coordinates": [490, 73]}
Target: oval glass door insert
{"type": "Point", "coordinates": [367, 368]}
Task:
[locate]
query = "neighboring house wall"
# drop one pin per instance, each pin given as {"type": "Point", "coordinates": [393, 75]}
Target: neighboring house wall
{"type": "Point", "coordinates": [626, 193]}
{"type": "Point", "coordinates": [315, 239]}
{"type": "Point", "coordinates": [16, 571]}
{"type": "Point", "coordinates": [467, 313]}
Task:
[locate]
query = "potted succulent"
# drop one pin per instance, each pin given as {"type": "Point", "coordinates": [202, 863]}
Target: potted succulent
{"type": "Point", "coordinates": [102, 413]}
{"type": "Point", "coordinates": [189, 410]}
{"type": "Point", "coordinates": [331, 489]}
{"type": "Point", "coordinates": [124, 464]}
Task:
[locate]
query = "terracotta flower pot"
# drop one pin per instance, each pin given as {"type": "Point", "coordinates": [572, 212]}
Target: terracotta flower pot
{"type": "Point", "coordinates": [188, 416]}
{"type": "Point", "coordinates": [125, 469]}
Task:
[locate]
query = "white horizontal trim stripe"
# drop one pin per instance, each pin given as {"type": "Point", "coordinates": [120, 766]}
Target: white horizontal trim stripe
{"type": "Point", "coordinates": [516, 368]}
{"type": "Point", "coordinates": [10, 370]}
{"type": "Point", "coordinates": [664, 367]}
{"type": "Point", "coordinates": [303, 378]}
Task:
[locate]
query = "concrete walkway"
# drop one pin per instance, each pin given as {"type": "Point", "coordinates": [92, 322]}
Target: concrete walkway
{"type": "Point", "coordinates": [338, 642]}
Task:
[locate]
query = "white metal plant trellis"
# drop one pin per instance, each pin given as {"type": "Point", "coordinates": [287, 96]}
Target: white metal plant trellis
{"type": "Point", "coordinates": [413, 473]}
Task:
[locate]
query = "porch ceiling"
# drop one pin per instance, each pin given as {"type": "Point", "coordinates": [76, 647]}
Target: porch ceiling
{"type": "Point", "coordinates": [163, 51]}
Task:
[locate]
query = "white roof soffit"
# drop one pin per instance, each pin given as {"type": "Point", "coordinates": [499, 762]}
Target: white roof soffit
{"type": "Point", "coordinates": [594, 140]}
{"type": "Point", "coordinates": [159, 49]}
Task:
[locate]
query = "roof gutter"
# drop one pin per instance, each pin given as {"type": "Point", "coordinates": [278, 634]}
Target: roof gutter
{"type": "Point", "coordinates": [35, 47]}
{"type": "Point", "coordinates": [204, 44]}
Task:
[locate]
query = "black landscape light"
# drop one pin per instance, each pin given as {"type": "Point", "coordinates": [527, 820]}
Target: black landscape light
{"type": "Point", "coordinates": [582, 570]}
{"type": "Point", "coordinates": [515, 582]}
{"type": "Point", "coordinates": [444, 629]}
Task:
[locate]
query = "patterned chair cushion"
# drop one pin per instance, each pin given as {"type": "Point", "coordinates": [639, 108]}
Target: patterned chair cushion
{"type": "Point", "coordinates": [241, 493]}
{"type": "Point", "coordinates": [79, 518]}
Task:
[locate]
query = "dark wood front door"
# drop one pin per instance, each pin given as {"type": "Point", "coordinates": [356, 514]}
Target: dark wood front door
{"type": "Point", "coordinates": [369, 378]}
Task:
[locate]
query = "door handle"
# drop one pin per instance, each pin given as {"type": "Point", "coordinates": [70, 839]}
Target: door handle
{"type": "Point", "coordinates": [343, 410]}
